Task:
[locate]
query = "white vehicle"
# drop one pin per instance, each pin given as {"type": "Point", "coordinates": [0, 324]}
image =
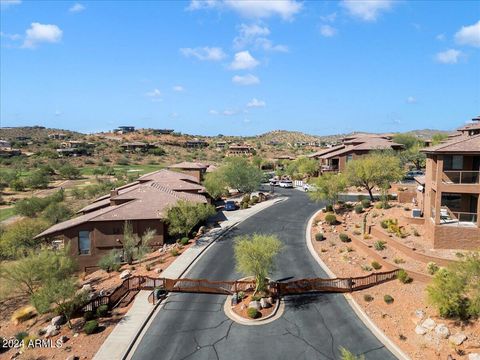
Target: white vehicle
{"type": "Point", "coordinates": [308, 187]}
{"type": "Point", "coordinates": [286, 184]}
{"type": "Point", "coordinates": [273, 182]}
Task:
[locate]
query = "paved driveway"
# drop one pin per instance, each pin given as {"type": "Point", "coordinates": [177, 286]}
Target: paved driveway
{"type": "Point", "coordinates": [194, 326]}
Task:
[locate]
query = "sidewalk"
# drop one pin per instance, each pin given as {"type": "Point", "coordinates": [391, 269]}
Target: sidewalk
{"type": "Point", "coordinates": [120, 340]}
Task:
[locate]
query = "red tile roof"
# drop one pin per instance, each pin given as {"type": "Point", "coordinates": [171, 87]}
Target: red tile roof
{"type": "Point", "coordinates": [463, 144]}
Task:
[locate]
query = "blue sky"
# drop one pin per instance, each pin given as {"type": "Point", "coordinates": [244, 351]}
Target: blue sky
{"type": "Point", "coordinates": [240, 67]}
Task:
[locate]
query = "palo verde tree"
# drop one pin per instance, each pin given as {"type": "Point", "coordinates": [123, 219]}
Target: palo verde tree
{"type": "Point", "coordinates": [255, 256]}
{"type": "Point", "coordinates": [134, 246]}
{"type": "Point", "coordinates": [328, 187]}
{"type": "Point", "coordinates": [215, 184]}
{"type": "Point", "coordinates": [378, 169]}
{"type": "Point", "coordinates": [184, 216]}
{"type": "Point", "coordinates": [238, 173]}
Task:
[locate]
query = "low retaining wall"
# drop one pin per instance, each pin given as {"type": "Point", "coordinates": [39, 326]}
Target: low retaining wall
{"type": "Point", "coordinates": [414, 220]}
{"type": "Point", "coordinates": [407, 250]}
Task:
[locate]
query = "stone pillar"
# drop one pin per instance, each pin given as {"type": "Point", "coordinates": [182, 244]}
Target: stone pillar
{"type": "Point", "coordinates": [438, 194]}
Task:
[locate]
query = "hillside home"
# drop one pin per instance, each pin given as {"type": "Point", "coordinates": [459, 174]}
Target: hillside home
{"type": "Point", "coordinates": [125, 129]}
{"type": "Point", "coordinates": [195, 144]}
{"type": "Point", "coordinates": [240, 150]}
{"type": "Point", "coordinates": [143, 203]}
{"type": "Point", "coordinates": [448, 196]}
{"type": "Point", "coordinates": [136, 146]}
{"type": "Point", "coordinates": [335, 159]}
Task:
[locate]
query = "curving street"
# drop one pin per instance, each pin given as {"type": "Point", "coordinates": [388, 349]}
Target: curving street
{"type": "Point", "coordinates": [194, 326]}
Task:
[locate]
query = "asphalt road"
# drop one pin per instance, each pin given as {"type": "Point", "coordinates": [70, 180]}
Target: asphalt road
{"type": "Point", "coordinates": [194, 326]}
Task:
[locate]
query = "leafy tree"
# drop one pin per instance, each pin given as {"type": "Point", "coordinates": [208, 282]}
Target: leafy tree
{"type": "Point", "coordinates": [257, 161]}
{"type": "Point", "coordinates": [414, 156]}
{"type": "Point", "coordinates": [38, 180]}
{"type": "Point", "coordinates": [33, 206]}
{"type": "Point", "coordinates": [134, 246]}
{"type": "Point", "coordinates": [215, 184]}
{"type": "Point", "coordinates": [57, 212]}
{"type": "Point", "coordinates": [255, 256]}
{"type": "Point", "coordinates": [302, 167]}
{"type": "Point", "coordinates": [438, 138]}
{"type": "Point", "coordinates": [68, 171]}
{"type": "Point", "coordinates": [407, 140]}
{"type": "Point", "coordinates": [157, 151]}
{"type": "Point", "coordinates": [184, 216]}
{"type": "Point", "coordinates": [17, 185]}
{"type": "Point", "coordinates": [241, 175]}
{"type": "Point", "coordinates": [111, 261]}
{"type": "Point", "coordinates": [328, 187]}
{"type": "Point", "coordinates": [18, 238]}
{"type": "Point", "coordinates": [455, 290]}
{"type": "Point", "coordinates": [376, 169]}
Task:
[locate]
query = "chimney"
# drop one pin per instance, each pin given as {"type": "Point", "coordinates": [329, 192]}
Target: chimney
{"type": "Point", "coordinates": [113, 193]}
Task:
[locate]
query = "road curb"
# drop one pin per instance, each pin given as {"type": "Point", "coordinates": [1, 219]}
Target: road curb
{"type": "Point", "coordinates": [379, 334]}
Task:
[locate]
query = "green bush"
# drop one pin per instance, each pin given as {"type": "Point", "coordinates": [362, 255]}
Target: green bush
{"type": "Point", "coordinates": [432, 268]}
{"type": "Point", "coordinates": [319, 237]}
{"type": "Point", "coordinates": [253, 313]}
{"type": "Point", "coordinates": [329, 208]}
{"type": "Point", "coordinates": [174, 252]}
{"type": "Point", "coordinates": [388, 299]}
{"type": "Point", "coordinates": [111, 261]}
{"type": "Point", "coordinates": [90, 327]}
{"type": "Point", "coordinates": [21, 335]}
{"type": "Point", "coordinates": [88, 315]}
{"type": "Point", "coordinates": [403, 277]}
{"type": "Point", "coordinates": [241, 295]}
{"type": "Point", "coordinates": [376, 265]}
{"type": "Point", "coordinates": [244, 205]}
{"type": "Point", "coordinates": [368, 297]}
{"type": "Point", "coordinates": [331, 219]}
{"type": "Point", "coordinates": [102, 311]}
{"type": "Point", "coordinates": [184, 241]}
{"type": "Point", "coordinates": [366, 203]}
{"type": "Point", "coordinates": [246, 198]}
{"type": "Point", "coordinates": [157, 151]}
{"type": "Point", "coordinates": [358, 209]}
{"type": "Point", "coordinates": [253, 200]}
{"type": "Point", "coordinates": [344, 238]}
{"type": "Point", "coordinates": [379, 245]}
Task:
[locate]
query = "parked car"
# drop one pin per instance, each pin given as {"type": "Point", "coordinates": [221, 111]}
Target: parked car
{"type": "Point", "coordinates": [286, 183]}
{"type": "Point", "coordinates": [411, 174]}
{"type": "Point", "coordinates": [274, 182]}
{"type": "Point", "coordinates": [230, 205]}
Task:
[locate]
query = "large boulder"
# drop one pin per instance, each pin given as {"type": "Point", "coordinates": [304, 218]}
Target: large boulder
{"type": "Point", "coordinates": [458, 339]}
{"type": "Point", "coordinates": [429, 324]}
{"type": "Point", "coordinates": [264, 303]}
{"type": "Point", "coordinates": [442, 331]}
{"type": "Point", "coordinates": [51, 330]}
{"type": "Point", "coordinates": [58, 320]}
{"type": "Point", "coordinates": [255, 304]}
{"type": "Point", "coordinates": [420, 330]}
{"type": "Point", "coordinates": [125, 274]}
{"type": "Point", "coordinates": [87, 288]}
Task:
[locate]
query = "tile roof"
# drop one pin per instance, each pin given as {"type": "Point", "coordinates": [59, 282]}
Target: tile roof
{"type": "Point", "coordinates": [463, 144]}
{"type": "Point", "coordinates": [326, 151]}
{"type": "Point", "coordinates": [188, 165]}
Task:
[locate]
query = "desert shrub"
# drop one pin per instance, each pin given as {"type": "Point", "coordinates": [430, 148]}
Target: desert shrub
{"type": "Point", "coordinates": [19, 238]}
{"type": "Point", "coordinates": [379, 245]}
{"type": "Point", "coordinates": [358, 209]}
{"type": "Point", "coordinates": [174, 252]}
{"type": "Point", "coordinates": [244, 205]}
{"type": "Point", "coordinates": [366, 203]}
{"type": "Point", "coordinates": [388, 299]}
{"type": "Point", "coordinates": [253, 313]}
{"type": "Point", "coordinates": [344, 237]}
{"type": "Point", "coordinates": [378, 205]}
{"type": "Point", "coordinates": [241, 295]}
{"type": "Point", "coordinates": [366, 268]}
{"type": "Point", "coordinates": [319, 237]}
{"type": "Point", "coordinates": [23, 314]}
{"type": "Point", "coordinates": [256, 297]}
{"type": "Point", "coordinates": [331, 219]}
{"type": "Point", "coordinates": [399, 261]}
{"type": "Point", "coordinates": [253, 200]}
{"type": "Point", "coordinates": [376, 265]}
{"type": "Point", "coordinates": [368, 297]}
{"type": "Point", "coordinates": [403, 277]}
{"type": "Point", "coordinates": [21, 335]}
{"type": "Point", "coordinates": [111, 261]}
{"type": "Point", "coordinates": [415, 232]}
{"type": "Point", "coordinates": [123, 161]}
{"type": "Point", "coordinates": [329, 208]}
{"type": "Point", "coordinates": [157, 151]}
{"type": "Point", "coordinates": [246, 198]}
{"type": "Point", "coordinates": [184, 241]}
{"type": "Point", "coordinates": [432, 268]}
{"type": "Point", "coordinates": [102, 311]}
{"type": "Point", "coordinates": [90, 327]}
{"type": "Point", "coordinates": [357, 232]}
{"type": "Point", "coordinates": [88, 315]}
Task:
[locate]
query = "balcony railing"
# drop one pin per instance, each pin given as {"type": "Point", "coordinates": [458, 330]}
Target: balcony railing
{"type": "Point", "coordinates": [461, 177]}
{"type": "Point", "coordinates": [458, 218]}
{"type": "Point", "coordinates": [326, 168]}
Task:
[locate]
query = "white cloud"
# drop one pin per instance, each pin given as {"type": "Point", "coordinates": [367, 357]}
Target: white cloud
{"type": "Point", "coordinates": [155, 93]}
{"type": "Point", "coordinates": [229, 112]}
{"type": "Point", "coordinates": [449, 56]}
{"type": "Point", "coordinates": [329, 18]}
{"type": "Point", "coordinates": [204, 53]}
{"type": "Point", "coordinates": [7, 3]}
{"type": "Point", "coordinates": [255, 103]}
{"type": "Point", "coordinates": [11, 36]}
{"type": "Point", "coordinates": [469, 35]}
{"type": "Point", "coordinates": [38, 33]}
{"type": "Point", "coordinates": [286, 9]}
{"type": "Point", "coordinates": [178, 88]}
{"type": "Point", "coordinates": [328, 31]}
{"type": "Point", "coordinates": [440, 37]}
{"type": "Point", "coordinates": [245, 80]}
{"type": "Point", "coordinates": [243, 60]}
{"type": "Point", "coordinates": [256, 35]}
{"type": "Point", "coordinates": [411, 100]}
{"type": "Point", "coordinates": [213, 112]}
{"type": "Point", "coordinates": [76, 8]}
{"type": "Point", "coordinates": [267, 45]}
{"type": "Point", "coordinates": [367, 10]}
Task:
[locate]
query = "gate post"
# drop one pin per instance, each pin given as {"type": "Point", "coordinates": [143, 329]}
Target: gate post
{"type": "Point", "coordinates": [350, 284]}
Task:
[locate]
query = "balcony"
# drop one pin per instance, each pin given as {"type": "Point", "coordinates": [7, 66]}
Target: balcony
{"type": "Point", "coordinates": [457, 218]}
{"type": "Point", "coordinates": [329, 168]}
{"type": "Point", "coordinates": [461, 177]}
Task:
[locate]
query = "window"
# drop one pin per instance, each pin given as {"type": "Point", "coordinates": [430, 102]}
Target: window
{"type": "Point", "coordinates": [84, 242]}
{"type": "Point", "coordinates": [349, 157]}
{"type": "Point", "coordinates": [453, 162]}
